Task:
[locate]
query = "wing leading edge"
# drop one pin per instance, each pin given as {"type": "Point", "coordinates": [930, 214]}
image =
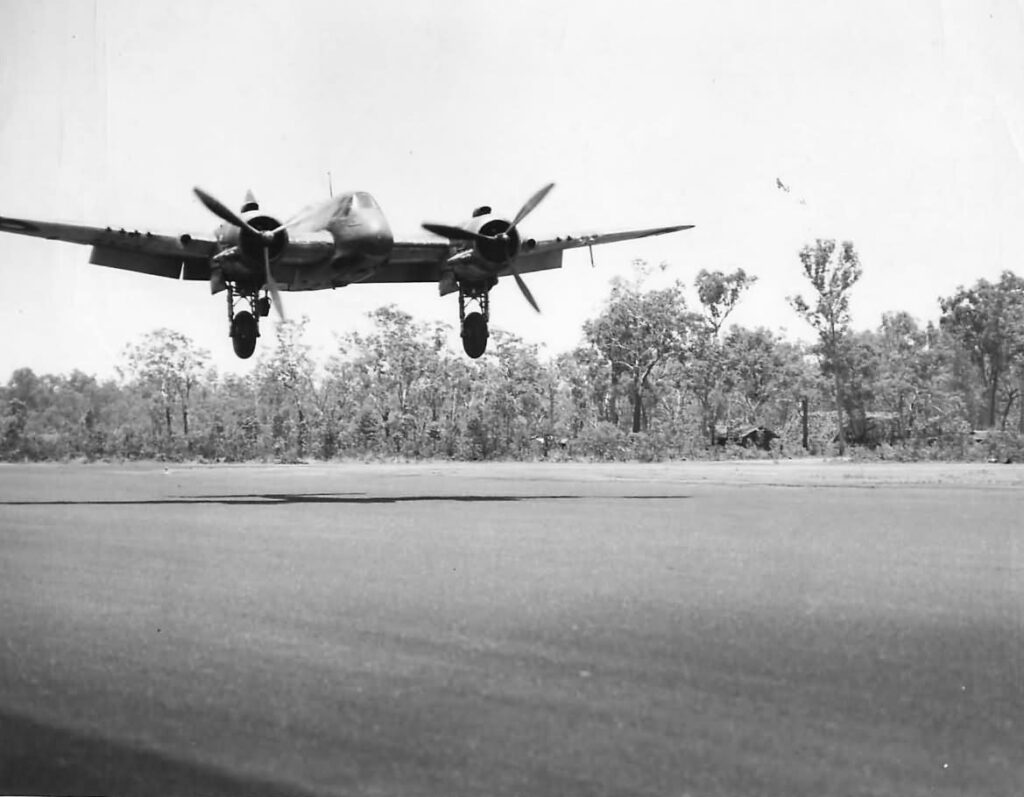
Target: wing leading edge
{"type": "Point", "coordinates": [188, 257]}
{"type": "Point", "coordinates": [546, 253]}
{"type": "Point", "coordinates": [596, 239]}
{"type": "Point", "coordinates": [424, 261]}
{"type": "Point", "coordinates": [177, 257]}
{"type": "Point", "coordinates": [322, 262]}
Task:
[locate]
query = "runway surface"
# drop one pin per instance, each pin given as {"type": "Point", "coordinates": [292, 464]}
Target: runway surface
{"type": "Point", "coordinates": [695, 629]}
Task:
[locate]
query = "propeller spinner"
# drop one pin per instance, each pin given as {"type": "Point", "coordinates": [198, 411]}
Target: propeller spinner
{"type": "Point", "coordinates": [505, 243]}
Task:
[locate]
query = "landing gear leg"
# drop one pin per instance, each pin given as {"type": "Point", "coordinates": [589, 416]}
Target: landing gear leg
{"type": "Point", "coordinates": [474, 324]}
{"type": "Point", "coordinates": [244, 325]}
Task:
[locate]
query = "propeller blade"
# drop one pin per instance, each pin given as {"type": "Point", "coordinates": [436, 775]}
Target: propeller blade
{"type": "Point", "coordinates": [454, 233]}
{"type": "Point", "coordinates": [275, 296]}
{"type": "Point", "coordinates": [305, 215]}
{"type": "Point", "coordinates": [296, 219]}
{"type": "Point", "coordinates": [525, 291]}
{"type": "Point", "coordinates": [221, 211]}
{"type": "Point", "coordinates": [531, 203]}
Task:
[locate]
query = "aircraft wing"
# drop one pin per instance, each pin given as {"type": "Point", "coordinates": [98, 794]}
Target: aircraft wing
{"type": "Point", "coordinates": [537, 247]}
{"type": "Point", "coordinates": [413, 261]}
{"type": "Point", "coordinates": [423, 260]}
{"type": "Point", "coordinates": [177, 257]}
{"type": "Point", "coordinates": [543, 254]}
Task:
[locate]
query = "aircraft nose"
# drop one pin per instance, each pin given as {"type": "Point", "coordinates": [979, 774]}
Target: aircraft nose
{"type": "Point", "coordinates": [375, 236]}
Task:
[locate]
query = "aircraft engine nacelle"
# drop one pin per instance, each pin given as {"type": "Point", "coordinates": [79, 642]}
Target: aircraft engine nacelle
{"type": "Point", "coordinates": [502, 244]}
{"type": "Point", "coordinates": [252, 247]}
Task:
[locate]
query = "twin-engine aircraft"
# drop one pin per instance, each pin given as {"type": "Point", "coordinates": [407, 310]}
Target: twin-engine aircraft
{"type": "Point", "coordinates": [345, 239]}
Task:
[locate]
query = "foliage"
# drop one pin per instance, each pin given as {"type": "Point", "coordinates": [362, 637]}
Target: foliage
{"type": "Point", "coordinates": [637, 333]}
{"type": "Point", "coordinates": [165, 367]}
{"type": "Point", "coordinates": [719, 293]}
{"type": "Point", "coordinates": [705, 361]}
{"type": "Point", "coordinates": [987, 322]}
{"type": "Point", "coordinates": [906, 391]}
{"type": "Point", "coordinates": [832, 272]}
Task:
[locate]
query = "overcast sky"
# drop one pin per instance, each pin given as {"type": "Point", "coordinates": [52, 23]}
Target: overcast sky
{"type": "Point", "coordinates": [899, 126]}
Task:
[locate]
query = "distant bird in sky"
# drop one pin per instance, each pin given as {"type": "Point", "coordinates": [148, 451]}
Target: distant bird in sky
{"type": "Point", "coordinates": [783, 187]}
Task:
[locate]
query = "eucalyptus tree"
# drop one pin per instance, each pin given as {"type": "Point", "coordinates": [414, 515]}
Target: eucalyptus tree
{"type": "Point", "coordinates": [523, 396]}
{"type": "Point", "coordinates": [637, 332]}
{"type": "Point", "coordinates": [764, 376]}
{"type": "Point", "coordinates": [719, 293]}
{"type": "Point", "coordinates": [913, 381]}
{"type": "Point", "coordinates": [166, 366]}
{"type": "Point", "coordinates": [705, 361]}
{"type": "Point", "coordinates": [987, 322]}
{"type": "Point", "coordinates": [398, 372]}
{"type": "Point", "coordinates": [284, 378]}
{"type": "Point", "coordinates": [832, 271]}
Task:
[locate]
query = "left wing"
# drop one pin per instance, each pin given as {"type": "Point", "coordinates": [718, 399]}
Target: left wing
{"type": "Point", "coordinates": [425, 261]}
{"type": "Point", "coordinates": [595, 239]}
{"type": "Point", "coordinates": [177, 257]}
{"type": "Point", "coordinates": [543, 254]}
{"type": "Point", "coordinates": [413, 261]}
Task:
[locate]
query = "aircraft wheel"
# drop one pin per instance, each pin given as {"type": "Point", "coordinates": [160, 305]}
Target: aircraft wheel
{"type": "Point", "coordinates": [263, 307]}
{"type": "Point", "coordinates": [244, 331]}
{"type": "Point", "coordinates": [474, 335]}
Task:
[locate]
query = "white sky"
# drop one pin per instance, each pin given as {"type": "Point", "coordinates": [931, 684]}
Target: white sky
{"type": "Point", "coordinates": [900, 125]}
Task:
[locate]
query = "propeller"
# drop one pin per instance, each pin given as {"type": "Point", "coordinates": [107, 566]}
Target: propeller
{"type": "Point", "coordinates": [223, 212]}
{"type": "Point", "coordinates": [531, 203]}
{"type": "Point", "coordinates": [455, 233]}
{"type": "Point", "coordinates": [524, 290]}
{"type": "Point", "coordinates": [275, 295]}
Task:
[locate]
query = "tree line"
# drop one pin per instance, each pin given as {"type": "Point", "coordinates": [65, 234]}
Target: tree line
{"type": "Point", "coordinates": [654, 378]}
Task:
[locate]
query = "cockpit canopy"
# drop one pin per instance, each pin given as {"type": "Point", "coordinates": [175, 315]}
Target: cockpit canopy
{"type": "Point", "coordinates": [362, 200]}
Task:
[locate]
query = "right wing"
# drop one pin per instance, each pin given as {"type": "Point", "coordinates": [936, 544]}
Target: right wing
{"type": "Point", "coordinates": [176, 257]}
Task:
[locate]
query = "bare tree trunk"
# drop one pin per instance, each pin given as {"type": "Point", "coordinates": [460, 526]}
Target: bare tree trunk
{"type": "Point", "coordinates": [833, 342]}
{"type": "Point", "coordinates": [551, 407]}
{"type": "Point", "coordinates": [184, 409]}
{"type": "Point", "coordinates": [992, 399]}
{"type": "Point", "coordinates": [1020, 422]}
{"type": "Point", "coordinates": [1006, 410]}
{"type": "Point", "coordinates": [613, 403]}
{"type": "Point", "coordinates": [839, 413]}
{"type": "Point", "coordinates": [637, 407]}
{"type": "Point", "coordinates": [804, 426]}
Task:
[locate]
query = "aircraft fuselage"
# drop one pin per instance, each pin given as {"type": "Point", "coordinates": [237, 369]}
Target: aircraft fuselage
{"type": "Point", "coordinates": [339, 241]}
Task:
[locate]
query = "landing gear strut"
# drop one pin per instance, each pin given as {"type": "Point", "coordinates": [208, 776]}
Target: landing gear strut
{"type": "Point", "coordinates": [474, 325]}
{"type": "Point", "coordinates": [245, 324]}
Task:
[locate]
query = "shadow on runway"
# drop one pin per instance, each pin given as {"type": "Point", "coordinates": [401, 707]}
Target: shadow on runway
{"type": "Point", "coordinates": [266, 499]}
{"type": "Point", "coordinates": [37, 758]}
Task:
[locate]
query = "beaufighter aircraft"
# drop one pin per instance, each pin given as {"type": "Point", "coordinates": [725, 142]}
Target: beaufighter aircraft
{"type": "Point", "coordinates": [345, 239]}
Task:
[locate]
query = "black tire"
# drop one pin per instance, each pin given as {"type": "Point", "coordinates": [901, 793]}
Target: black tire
{"type": "Point", "coordinates": [474, 335]}
{"type": "Point", "coordinates": [244, 331]}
